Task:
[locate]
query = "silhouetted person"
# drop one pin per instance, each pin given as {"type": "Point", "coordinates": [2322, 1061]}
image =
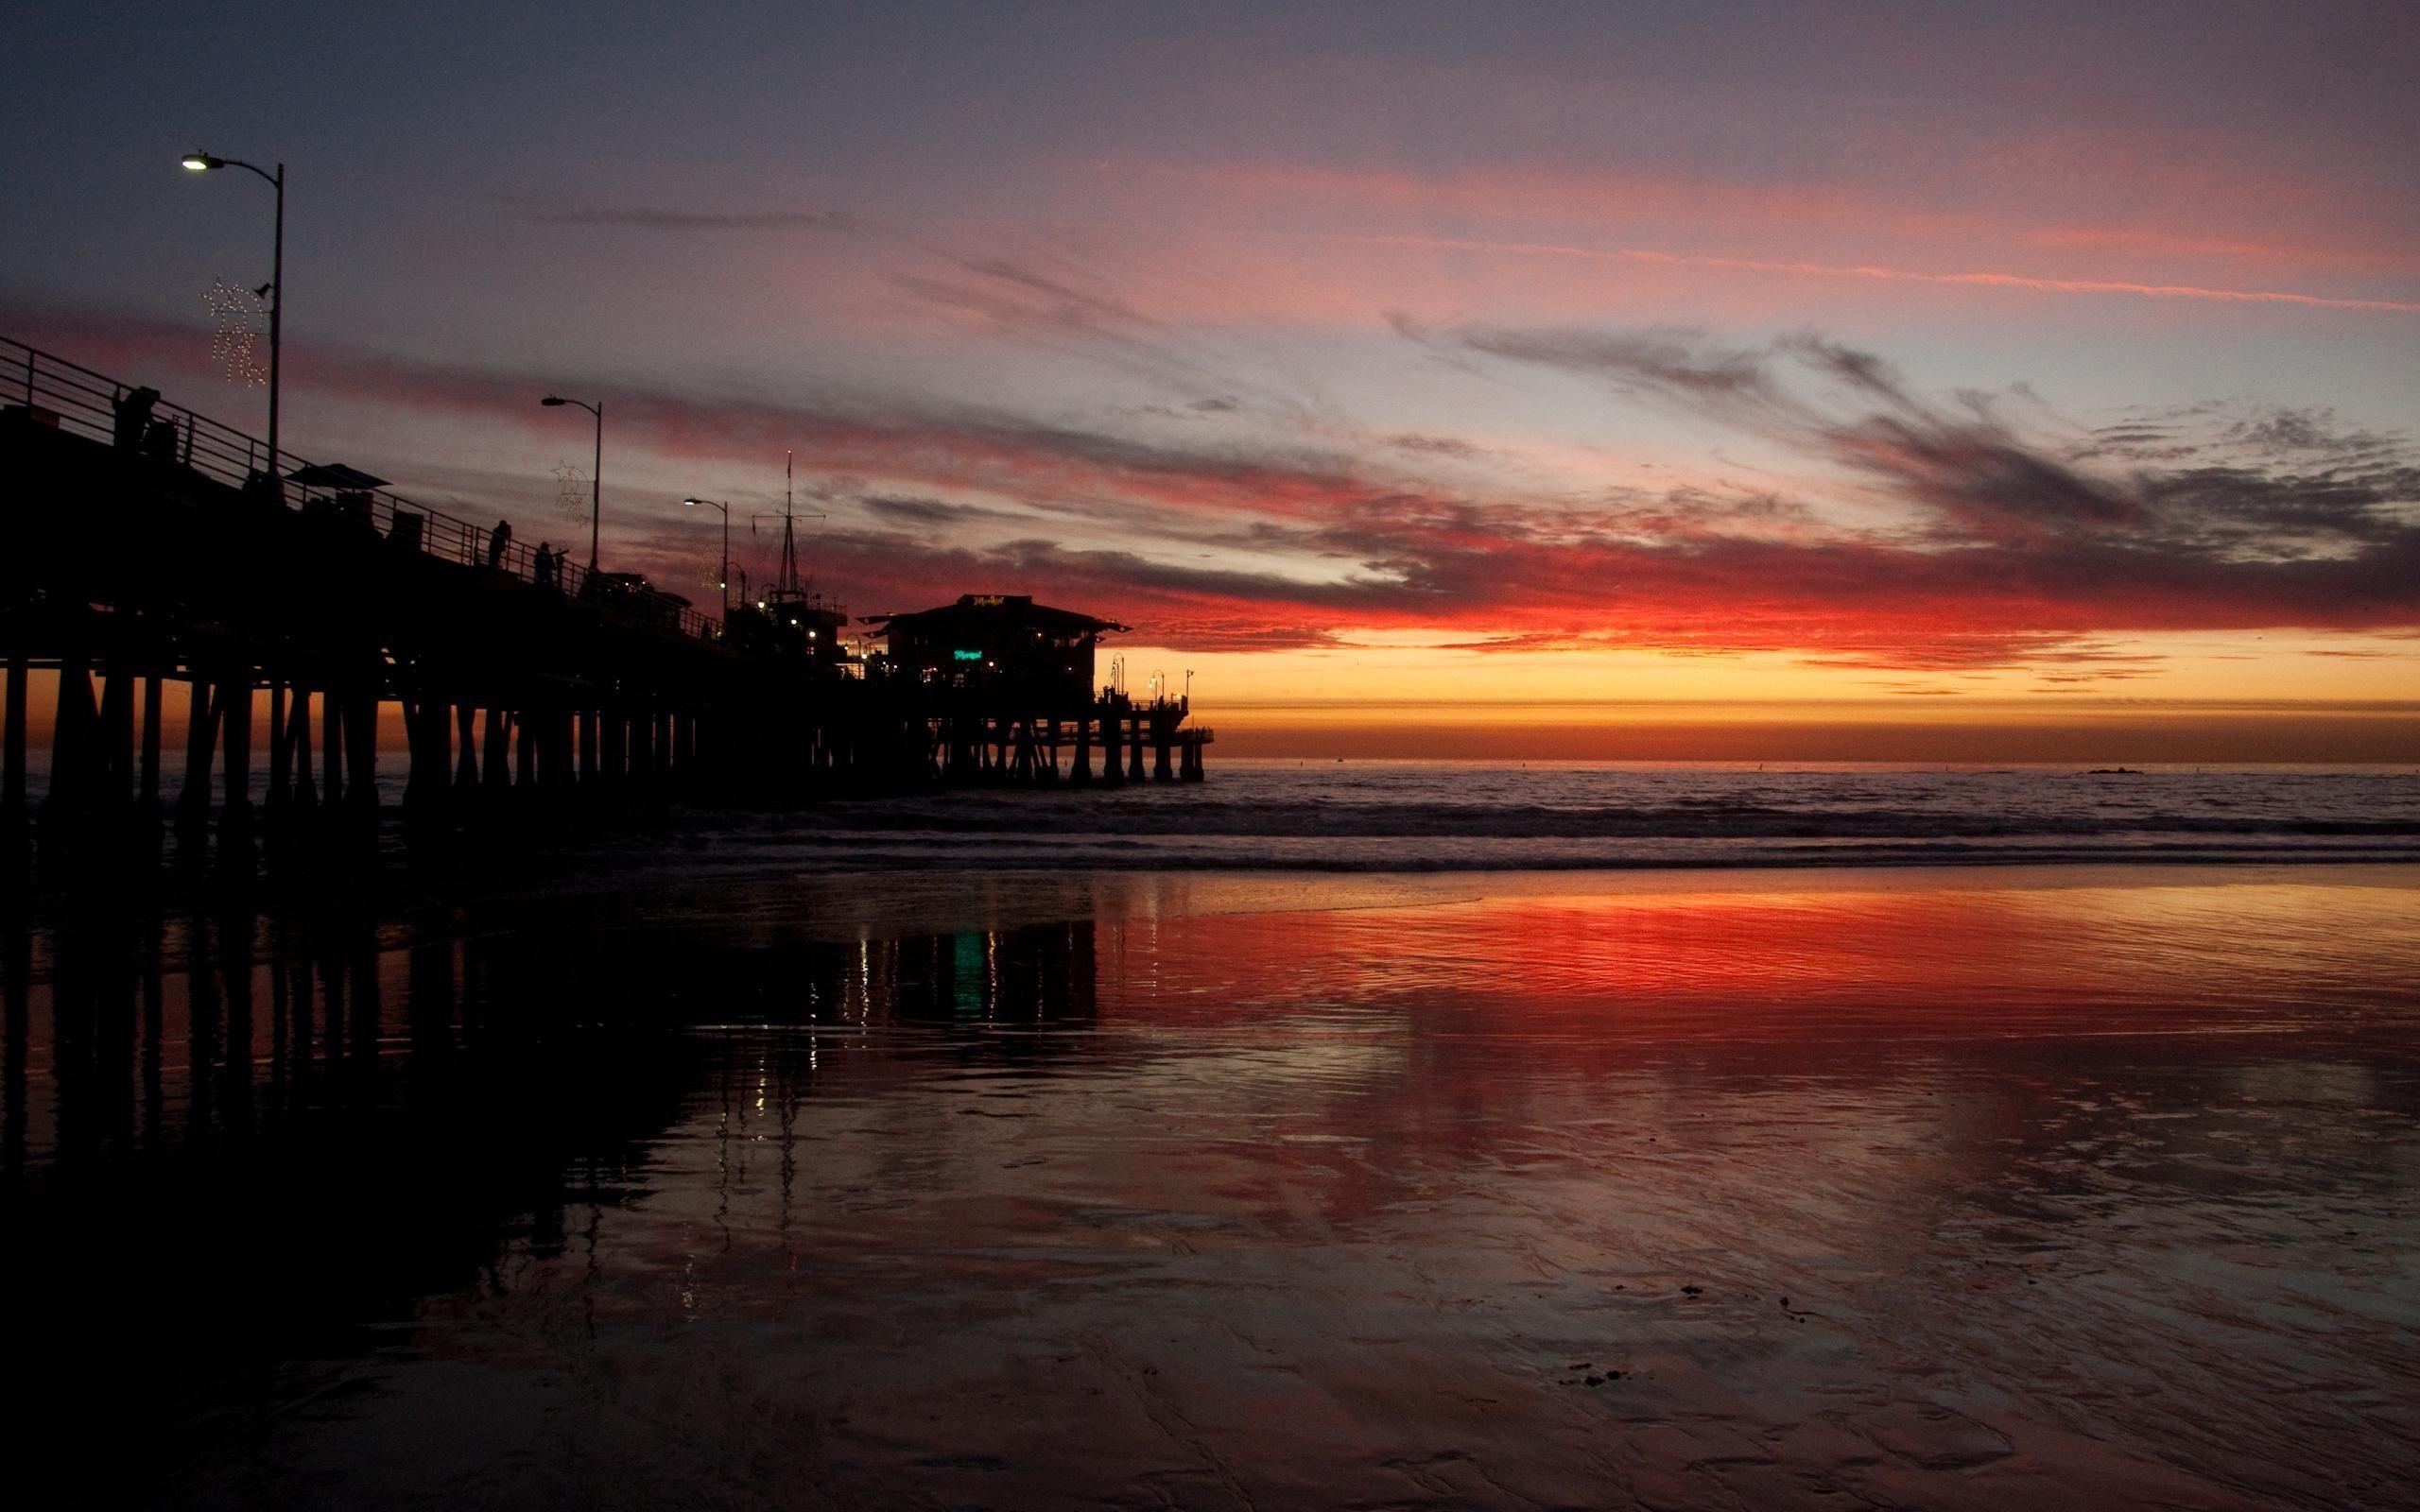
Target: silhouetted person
{"type": "Point", "coordinates": [545, 565]}
{"type": "Point", "coordinates": [160, 441]}
{"type": "Point", "coordinates": [132, 410]}
{"type": "Point", "coordinates": [498, 539]}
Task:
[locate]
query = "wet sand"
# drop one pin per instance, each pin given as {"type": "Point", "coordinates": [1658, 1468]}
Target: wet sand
{"type": "Point", "coordinates": [2025, 1189]}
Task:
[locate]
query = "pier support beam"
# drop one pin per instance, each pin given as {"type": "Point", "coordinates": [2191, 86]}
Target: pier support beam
{"type": "Point", "coordinates": [612, 743]}
{"type": "Point", "coordinates": [12, 771]}
{"type": "Point", "coordinates": [72, 740]}
{"type": "Point", "coordinates": [1112, 765]}
{"type": "Point", "coordinates": [466, 748]}
{"type": "Point", "coordinates": [236, 824]}
{"type": "Point", "coordinates": [361, 758]}
{"type": "Point", "coordinates": [306, 798]}
{"type": "Point", "coordinates": [432, 758]}
{"type": "Point", "coordinates": [281, 764]}
{"type": "Point", "coordinates": [495, 775]}
{"type": "Point", "coordinates": [638, 750]}
{"type": "Point", "coordinates": [201, 729]}
{"type": "Point", "coordinates": [115, 763]}
{"type": "Point", "coordinates": [148, 797]}
{"type": "Point", "coordinates": [1081, 772]}
{"type": "Point", "coordinates": [331, 747]}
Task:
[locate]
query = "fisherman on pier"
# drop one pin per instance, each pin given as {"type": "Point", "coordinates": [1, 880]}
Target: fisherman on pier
{"type": "Point", "coordinates": [131, 416]}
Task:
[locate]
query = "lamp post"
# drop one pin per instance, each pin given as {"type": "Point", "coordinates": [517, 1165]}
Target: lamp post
{"type": "Point", "coordinates": [596, 473]}
{"type": "Point", "coordinates": [198, 162]}
{"type": "Point", "coordinates": [722, 579]}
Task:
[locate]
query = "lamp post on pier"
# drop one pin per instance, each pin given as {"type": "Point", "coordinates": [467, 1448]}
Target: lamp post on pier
{"type": "Point", "coordinates": [722, 578]}
{"type": "Point", "coordinates": [596, 471]}
{"type": "Point", "coordinates": [199, 162]}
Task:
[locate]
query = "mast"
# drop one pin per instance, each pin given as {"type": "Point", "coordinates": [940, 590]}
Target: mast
{"type": "Point", "coordinates": [789, 583]}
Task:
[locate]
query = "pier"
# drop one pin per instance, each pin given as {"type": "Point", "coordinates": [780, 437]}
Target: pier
{"type": "Point", "coordinates": [229, 647]}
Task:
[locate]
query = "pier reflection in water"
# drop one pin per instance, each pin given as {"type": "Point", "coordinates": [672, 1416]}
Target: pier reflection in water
{"type": "Point", "coordinates": [1823, 1194]}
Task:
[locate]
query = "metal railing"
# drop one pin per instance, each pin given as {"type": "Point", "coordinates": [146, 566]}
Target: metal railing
{"type": "Point", "coordinates": [71, 396]}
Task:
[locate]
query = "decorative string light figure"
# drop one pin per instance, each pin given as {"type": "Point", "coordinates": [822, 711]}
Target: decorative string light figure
{"type": "Point", "coordinates": [236, 343]}
{"type": "Point", "coordinates": [571, 493]}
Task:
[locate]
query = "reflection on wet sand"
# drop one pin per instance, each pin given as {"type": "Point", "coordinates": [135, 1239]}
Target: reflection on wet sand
{"type": "Point", "coordinates": [1831, 1192]}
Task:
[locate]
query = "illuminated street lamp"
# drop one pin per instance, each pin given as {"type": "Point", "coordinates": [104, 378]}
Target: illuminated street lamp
{"type": "Point", "coordinates": [596, 473]}
{"type": "Point", "coordinates": [198, 162]}
{"type": "Point", "coordinates": [722, 579]}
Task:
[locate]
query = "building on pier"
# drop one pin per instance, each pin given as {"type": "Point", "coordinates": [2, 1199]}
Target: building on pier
{"type": "Point", "coordinates": [1004, 686]}
{"type": "Point", "coordinates": [1004, 651]}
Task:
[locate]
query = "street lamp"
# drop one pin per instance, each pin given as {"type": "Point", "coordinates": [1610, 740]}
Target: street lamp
{"type": "Point", "coordinates": [596, 473]}
{"type": "Point", "coordinates": [198, 162]}
{"type": "Point", "coordinates": [723, 577]}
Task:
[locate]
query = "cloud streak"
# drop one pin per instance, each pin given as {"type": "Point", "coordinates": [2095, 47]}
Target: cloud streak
{"type": "Point", "coordinates": [647, 217]}
{"type": "Point", "coordinates": [1877, 273]}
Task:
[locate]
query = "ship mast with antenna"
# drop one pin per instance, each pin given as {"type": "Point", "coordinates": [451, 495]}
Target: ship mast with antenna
{"type": "Point", "coordinates": [787, 583]}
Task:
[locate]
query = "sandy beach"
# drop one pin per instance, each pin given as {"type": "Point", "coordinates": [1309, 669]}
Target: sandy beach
{"type": "Point", "coordinates": [1925, 1187]}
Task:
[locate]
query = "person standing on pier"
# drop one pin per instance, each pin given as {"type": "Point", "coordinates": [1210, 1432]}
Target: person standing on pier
{"type": "Point", "coordinates": [498, 539]}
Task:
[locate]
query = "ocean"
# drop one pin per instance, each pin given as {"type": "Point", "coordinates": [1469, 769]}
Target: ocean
{"type": "Point", "coordinates": [1445, 816]}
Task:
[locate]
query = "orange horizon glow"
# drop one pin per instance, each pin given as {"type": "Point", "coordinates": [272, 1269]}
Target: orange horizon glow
{"type": "Point", "coordinates": [1994, 731]}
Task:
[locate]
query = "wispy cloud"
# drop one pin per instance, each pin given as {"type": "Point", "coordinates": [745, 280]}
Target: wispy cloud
{"type": "Point", "coordinates": [1878, 273]}
{"type": "Point", "coordinates": [656, 217]}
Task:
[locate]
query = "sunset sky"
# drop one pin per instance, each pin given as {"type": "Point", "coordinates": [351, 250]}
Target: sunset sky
{"type": "Point", "coordinates": [1679, 380]}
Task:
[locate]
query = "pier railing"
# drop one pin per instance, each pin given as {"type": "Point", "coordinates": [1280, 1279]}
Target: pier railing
{"type": "Point", "coordinates": [71, 396]}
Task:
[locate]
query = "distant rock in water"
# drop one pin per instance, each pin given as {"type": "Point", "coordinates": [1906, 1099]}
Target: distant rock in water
{"type": "Point", "coordinates": [2115, 771]}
